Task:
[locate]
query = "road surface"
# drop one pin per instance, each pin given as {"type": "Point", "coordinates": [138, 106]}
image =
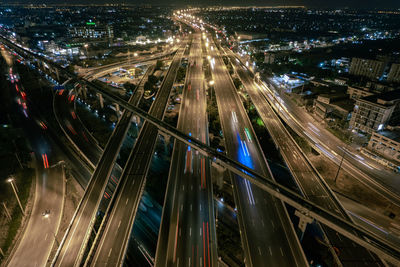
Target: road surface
{"type": "Point", "coordinates": [187, 234]}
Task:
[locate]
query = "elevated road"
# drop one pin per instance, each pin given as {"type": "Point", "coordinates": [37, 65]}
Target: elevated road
{"type": "Point", "coordinates": [112, 241]}
{"type": "Point", "coordinates": [291, 198]}
{"type": "Point", "coordinates": [268, 237]}
{"type": "Point", "coordinates": [307, 178]}
{"type": "Point", "coordinates": [73, 244]}
{"type": "Point", "coordinates": [187, 233]}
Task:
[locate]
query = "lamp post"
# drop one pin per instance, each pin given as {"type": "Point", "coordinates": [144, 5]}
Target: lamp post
{"type": "Point", "coordinates": [341, 161]}
{"type": "Point", "coordinates": [11, 181]}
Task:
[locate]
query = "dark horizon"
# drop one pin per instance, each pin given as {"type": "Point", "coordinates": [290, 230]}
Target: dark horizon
{"type": "Point", "coordinates": [357, 4]}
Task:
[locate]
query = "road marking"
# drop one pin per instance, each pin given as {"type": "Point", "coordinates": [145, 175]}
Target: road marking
{"type": "Point", "coordinates": [133, 181]}
{"type": "Point", "coordinates": [45, 238]}
{"type": "Point", "coordinates": [190, 231]}
{"type": "Point", "coordinates": [127, 201]}
{"type": "Point", "coordinates": [270, 250]}
{"type": "Point", "coordinates": [200, 231]}
{"type": "Point", "coordinates": [189, 261]}
{"type": "Point", "coordinates": [119, 224]}
{"type": "Point", "coordinates": [259, 250]}
{"type": "Point", "coordinates": [109, 253]}
{"type": "Point", "coordinates": [272, 222]}
{"type": "Point", "coordinates": [183, 187]}
{"type": "Point", "coordinates": [281, 250]}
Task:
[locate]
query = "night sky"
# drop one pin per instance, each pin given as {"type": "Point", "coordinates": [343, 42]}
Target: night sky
{"type": "Point", "coordinates": [308, 3]}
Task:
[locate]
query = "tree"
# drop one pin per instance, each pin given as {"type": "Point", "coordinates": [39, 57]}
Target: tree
{"type": "Point", "coordinates": [152, 79]}
{"type": "Point", "coordinates": [148, 86]}
{"type": "Point", "coordinates": [129, 87]}
{"type": "Point", "coordinates": [237, 82]}
{"type": "Point", "coordinates": [159, 64]}
{"type": "Point", "coordinates": [181, 74]}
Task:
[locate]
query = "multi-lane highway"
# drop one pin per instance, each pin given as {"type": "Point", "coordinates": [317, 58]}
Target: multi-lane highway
{"type": "Point", "coordinates": [74, 129]}
{"type": "Point", "coordinates": [49, 183]}
{"type": "Point", "coordinates": [73, 244]}
{"type": "Point", "coordinates": [368, 172]}
{"type": "Point", "coordinates": [110, 247]}
{"type": "Point", "coordinates": [267, 234]}
{"type": "Point", "coordinates": [309, 181]}
{"type": "Point", "coordinates": [187, 234]}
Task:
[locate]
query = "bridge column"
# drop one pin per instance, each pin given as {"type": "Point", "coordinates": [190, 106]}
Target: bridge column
{"type": "Point", "coordinates": [42, 65]}
{"type": "Point", "coordinates": [58, 75]}
{"type": "Point", "coordinates": [219, 174]}
{"type": "Point", "coordinates": [116, 107]}
{"type": "Point", "coordinates": [100, 96]}
{"type": "Point", "coordinates": [304, 219]}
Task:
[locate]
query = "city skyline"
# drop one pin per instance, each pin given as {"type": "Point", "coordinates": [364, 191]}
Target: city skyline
{"type": "Point", "coordinates": [357, 4]}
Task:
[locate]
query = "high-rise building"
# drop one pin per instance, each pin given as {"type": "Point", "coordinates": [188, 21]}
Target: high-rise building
{"type": "Point", "coordinates": [370, 68]}
{"type": "Point", "coordinates": [374, 112]}
{"type": "Point", "coordinates": [394, 73]}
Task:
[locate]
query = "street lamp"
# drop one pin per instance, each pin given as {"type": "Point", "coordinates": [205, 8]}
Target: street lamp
{"type": "Point", "coordinates": [11, 181]}
{"type": "Point", "coordinates": [212, 82]}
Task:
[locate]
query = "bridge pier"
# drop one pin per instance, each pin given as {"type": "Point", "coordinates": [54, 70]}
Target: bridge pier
{"type": "Point", "coordinates": [304, 219]}
{"type": "Point", "coordinates": [100, 96]}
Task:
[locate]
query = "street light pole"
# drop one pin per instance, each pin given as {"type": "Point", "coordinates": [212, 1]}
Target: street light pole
{"type": "Point", "coordinates": [11, 181]}
{"type": "Point", "coordinates": [340, 165]}
{"type": "Point", "coordinates": [341, 161]}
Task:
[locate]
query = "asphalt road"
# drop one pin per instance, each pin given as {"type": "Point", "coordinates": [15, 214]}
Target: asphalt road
{"type": "Point", "coordinates": [187, 234]}
{"type": "Point", "coordinates": [310, 183]}
{"type": "Point", "coordinates": [110, 248]}
{"type": "Point", "coordinates": [368, 172]}
{"type": "Point", "coordinates": [74, 242]}
{"type": "Point", "coordinates": [267, 235]}
{"type": "Point", "coordinates": [73, 127]}
{"type": "Point", "coordinates": [39, 235]}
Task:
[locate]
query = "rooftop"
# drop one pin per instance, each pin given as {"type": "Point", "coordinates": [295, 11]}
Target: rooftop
{"type": "Point", "coordinates": [384, 99]}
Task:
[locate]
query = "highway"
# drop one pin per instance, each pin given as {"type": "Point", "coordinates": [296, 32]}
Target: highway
{"type": "Point", "coordinates": [268, 237]}
{"type": "Point", "coordinates": [49, 185]}
{"type": "Point", "coordinates": [268, 185]}
{"type": "Point", "coordinates": [110, 247]}
{"type": "Point", "coordinates": [73, 244]}
{"type": "Point", "coordinates": [187, 234]}
{"type": "Point", "coordinates": [368, 172]}
{"type": "Point", "coordinates": [74, 129]}
{"type": "Point", "coordinates": [310, 183]}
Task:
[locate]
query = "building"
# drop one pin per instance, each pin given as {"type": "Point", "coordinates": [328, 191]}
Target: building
{"type": "Point", "coordinates": [269, 58]}
{"type": "Point", "coordinates": [374, 112]}
{"type": "Point", "coordinates": [386, 143]}
{"type": "Point", "coordinates": [394, 73]}
{"type": "Point", "coordinates": [333, 106]}
{"type": "Point", "coordinates": [92, 32]}
{"type": "Point", "coordinates": [355, 92]}
{"type": "Point", "coordinates": [372, 69]}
